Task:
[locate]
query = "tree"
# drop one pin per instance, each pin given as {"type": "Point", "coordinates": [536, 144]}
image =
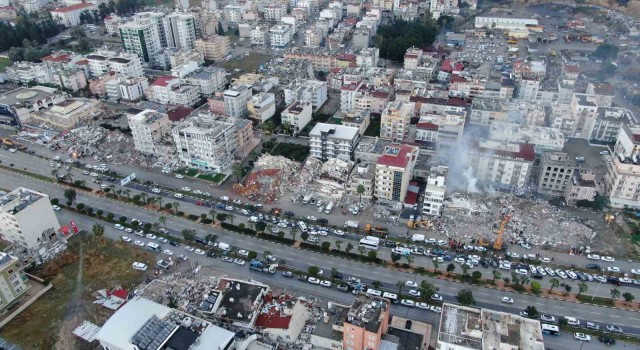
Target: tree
{"type": "Point", "coordinates": [293, 233]}
{"type": "Point", "coordinates": [55, 172]}
{"type": "Point", "coordinates": [268, 127]}
{"type": "Point", "coordinates": [286, 127]}
{"type": "Point", "coordinates": [338, 244]}
{"type": "Point", "coordinates": [376, 284]}
{"type": "Point", "coordinates": [582, 288]}
{"type": "Point", "coordinates": [97, 230]}
{"type": "Point", "coordinates": [451, 267]}
{"type": "Point", "coordinates": [361, 250]}
{"type": "Point", "coordinates": [465, 269]}
{"type": "Point", "coordinates": [476, 276]}
{"type": "Point", "coordinates": [562, 322]}
{"type": "Point", "coordinates": [395, 257]}
{"type": "Point", "coordinates": [163, 220]}
{"type": "Point", "coordinates": [360, 191]}
{"type": "Point", "coordinates": [535, 287]}
{"type": "Point", "coordinates": [326, 246]}
{"type": "Point", "coordinates": [304, 236]}
{"type": "Point", "coordinates": [395, 38]}
{"type": "Point", "coordinates": [496, 275]}
{"type": "Point", "coordinates": [260, 226]}
{"type": "Point", "coordinates": [349, 247]}
{"type": "Point", "coordinates": [70, 194]}
{"type": "Point", "coordinates": [628, 297]}
{"type": "Point", "coordinates": [436, 264]}
{"type": "Point", "coordinates": [568, 288]}
{"type": "Point", "coordinates": [188, 234]}
{"type": "Point", "coordinates": [238, 172]}
{"type": "Point", "coordinates": [221, 217]}
{"type": "Point", "coordinates": [231, 217]}
{"type": "Point", "coordinates": [465, 297]}
{"type": "Point", "coordinates": [373, 255]}
{"type": "Point", "coordinates": [127, 192]}
{"type": "Point", "coordinates": [427, 290]}
{"type": "Point", "coordinates": [313, 270]}
{"type": "Point", "coordinates": [615, 293]}
{"type": "Point", "coordinates": [399, 284]}
{"type": "Point", "coordinates": [555, 283]}
{"type": "Point", "coordinates": [606, 52]}
{"type": "Point", "coordinates": [532, 312]}
{"type": "Point", "coordinates": [220, 30]}
{"type": "Point", "coordinates": [409, 259]}
{"type": "Point", "coordinates": [252, 255]}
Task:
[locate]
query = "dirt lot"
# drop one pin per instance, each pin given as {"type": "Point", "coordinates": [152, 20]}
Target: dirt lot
{"type": "Point", "coordinates": [246, 63]}
{"type": "Point", "coordinates": [88, 266]}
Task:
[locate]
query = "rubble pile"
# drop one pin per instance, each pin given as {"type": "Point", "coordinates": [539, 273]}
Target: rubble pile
{"type": "Point", "coordinates": [180, 289]}
{"type": "Point", "coordinates": [264, 182]}
{"type": "Point", "coordinates": [303, 183]}
{"type": "Point", "coordinates": [469, 217]}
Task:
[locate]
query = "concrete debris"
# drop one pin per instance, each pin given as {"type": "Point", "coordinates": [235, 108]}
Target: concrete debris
{"type": "Point", "coordinates": [271, 178]}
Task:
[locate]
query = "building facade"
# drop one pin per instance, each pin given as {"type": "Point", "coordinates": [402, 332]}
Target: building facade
{"type": "Point", "coordinates": [329, 141]}
{"type": "Point", "coordinates": [214, 48]}
{"type": "Point", "coordinates": [395, 120]}
{"type": "Point", "coordinates": [394, 170]}
{"type": "Point", "coordinates": [622, 182]}
{"type": "Point", "coordinates": [298, 115]}
{"type": "Point", "coordinates": [556, 170]}
{"type": "Point", "coordinates": [147, 129]}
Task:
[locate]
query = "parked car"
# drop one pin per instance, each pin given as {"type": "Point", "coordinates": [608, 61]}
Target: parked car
{"type": "Point", "coordinates": [581, 337]}
{"type": "Point", "coordinates": [408, 302]}
{"type": "Point", "coordinates": [287, 274]}
{"type": "Point", "coordinates": [139, 266]}
{"type": "Point", "coordinates": [507, 300]}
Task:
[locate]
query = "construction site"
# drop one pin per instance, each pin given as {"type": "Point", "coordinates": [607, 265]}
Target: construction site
{"type": "Point", "coordinates": [477, 218]}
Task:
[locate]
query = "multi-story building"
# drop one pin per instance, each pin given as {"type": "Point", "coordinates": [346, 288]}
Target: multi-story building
{"type": "Point", "coordinates": [367, 321]}
{"type": "Point", "coordinates": [444, 131]}
{"type": "Point", "coordinates": [622, 182]}
{"type": "Point", "coordinates": [97, 85]}
{"type": "Point", "coordinates": [125, 65]}
{"type": "Point", "coordinates": [435, 191]}
{"type": "Point", "coordinates": [70, 16]}
{"type": "Point", "coordinates": [131, 89]}
{"type": "Point", "coordinates": [359, 119]}
{"type": "Point", "coordinates": [412, 58]}
{"type": "Point", "coordinates": [541, 138]}
{"type": "Point", "coordinates": [148, 128]}
{"type": "Point", "coordinates": [443, 7]}
{"type": "Point", "coordinates": [182, 30]}
{"type": "Point", "coordinates": [233, 13]}
{"type": "Point", "coordinates": [260, 36]}
{"type": "Point", "coordinates": [584, 112]}
{"type": "Point", "coordinates": [485, 111]}
{"type": "Point", "coordinates": [603, 93]}
{"type": "Point", "coordinates": [363, 174]}
{"type": "Point", "coordinates": [298, 115]}
{"type": "Point", "coordinates": [505, 23]}
{"type": "Point", "coordinates": [368, 57]}
{"type": "Point", "coordinates": [71, 79]}
{"type": "Point", "coordinates": [13, 281]}
{"type": "Point", "coordinates": [206, 142]}
{"type": "Point", "coordinates": [262, 106]}
{"type": "Point", "coordinates": [528, 87]}
{"type": "Point", "coordinates": [16, 105]}
{"type": "Point", "coordinates": [28, 221]}
{"type": "Point", "coordinates": [235, 100]}
{"type": "Point", "coordinates": [609, 122]}
{"type": "Point", "coordinates": [280, 35]}
{"type": "Point", "coordinates": [27, 72]}
{"type": "Point", "coordinates": [274, 12]}
{"type": "Point", "coordinates": [169, 90]}
{"type": "Point", "coordinates": [313, 91]}
{"type": "Point", "coordinates": [554, 175]}
{"type": "Point", "coordinates": [395, 120]}
{"type": "Point", "coordinates": [207, 79]}
{"type": "Point", "coordinates": [582, 186]}
{"type": "Point", "coordinates": [394, 170]}
{"type": "Point", "coordinates": [314, 36]}
{"type": "Point", "coordinates": [145, 35]}
{"type": "Point", "coordinates": [502, 164]}
{"type": "Point", "coordinates": [329, 141]}
{"type": "Point", "coordinates": [214, 47]}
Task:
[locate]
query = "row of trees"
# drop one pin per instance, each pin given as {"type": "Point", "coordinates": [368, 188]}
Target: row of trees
{"type": "Point", "coordinates": [28, 26]}
{"type": "Point", "coordinates": [394, 39]}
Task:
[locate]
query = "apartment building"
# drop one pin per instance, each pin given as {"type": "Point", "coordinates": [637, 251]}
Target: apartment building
{"type": "Point", "coordinates": [274, 12]}
{"type": "Point", "coordinates": [582, 187]}
{"type": "Point", "coordinates": [622, 181]}
{"type": "Point", "coordinates": [280, 35]}
{"type": "Point", "coordinates": [26, 72]}
{"type": "Point", "coordinates": [298, 115]}
{"type": "Point", "coordinates": [485, 111]}
{"type": "Point", "coordinates": [262, 106]}
{"type": "Point", "coordinates": [233, 13]}
{"type": "Point", "coordinates": [131, 89]}
{"type": "Point", "coordinates": [555, 172]}
{"type": "Point", "coordinates": [182, 30]}
{"type": "Point", "coordinates": [363, 174]}
{"type": "Point", "coordinates": [169, 90]}
{"type": "Point", "coordinates": [28, 221]}
{"type": "Point", "coordinates": [359, 119]}
{"type": "Point", "coordinates": [214, 48]}
{"type": "Point", "coordinates": [528, 87]}
{"type": "Point", "coordinates": [313, 91]}
{"type": "Point", "coordinates": [148, 128]}
{"type": "Point", "coordinates": [603, 93]}
{"type": "Point", "coordinates": [125, 65]}
{"type": "Point", "coordinates": [328, 141]}
{"type": "Point", "coordinates": [260, 36]}
{"type": "Point", "coordinates": [502, 164]}
{"type": "Point", "coordinates": [609, 122]}
{"type": "Point", "coordinates": [435, 191]}
{"type": "Point", "coordinates": [69, 16]}
{"type": "Point", "coordinates": [394, 169]}
{"type": "Point", "coordinates": [395, 120]}
{"type": "Point", "coordinates": [13, 281]}
{"type": "Point", "coordinates": [206, 142]}
{"type": "Point", "coordinates": [235, 100]}
{"type": "Point", "coordinates": [584, 112]}
{"type": "Point", "coordinates": [366, 323]}
{"type": "Point", "coordinates": [145, 35]}
{"type": "Point", "coordinates": [412, 58]}
{"type": "Point", "coordinates": [314, 36]}
{"type": "Point", "coordinates": [505, 23]}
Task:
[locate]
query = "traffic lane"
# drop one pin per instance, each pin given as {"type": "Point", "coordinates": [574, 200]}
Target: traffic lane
{"type": "Point", "coordinates": [447, 288]}
{"type": "Point", "coordinates": [148, 216]}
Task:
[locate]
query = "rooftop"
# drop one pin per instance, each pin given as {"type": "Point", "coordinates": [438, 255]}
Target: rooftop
{"type": "Point", "coordinates": [75, 7]}
{"type": "Point", "coordinates": [6, 259]}
{"type": "Point", "coordinates": [26, 96]}
{"type": "Point", "coordinates": [297, 107]}
{"type": "Point", "coordinates": [334, 131]}
{"type": "Point", "coordinates": [558, 159]}
{"type": "Point", "coordinates": [366, 311]}
{"type": "Point", "coordinates": [396, 156]}
{"type": "Point", "coordinates": [240, 300]}
{"type": "Point", "coordinates": [18, 199]}
{"type": "Point", "coordinates": [163, 80]}
{"type": "Point", "coordinates": [519, 151]}
{"type": "Point", "coordinates": [148, 116]}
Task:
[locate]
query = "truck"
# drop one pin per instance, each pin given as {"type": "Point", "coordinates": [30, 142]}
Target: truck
{"type": "Point", "coordinates": [307, 197]}
{"type": "Point", "coordinates": [261, 266]}
{"type": "Point", "coordinates": [354, 224]}
{"type": "Point", "coordinates": [417, 238]}
{"type": "Point", "coordinates": [329, 208]}
{"type": "Point", "coordinates": [401, 251]}
{"type": "Point", "coordinates": [376, 230]}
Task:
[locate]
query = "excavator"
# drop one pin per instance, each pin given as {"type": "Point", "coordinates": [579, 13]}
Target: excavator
{"type": "Point", "coordinates": [415, 224]}
{"type": "Point", "coordinates": [506, 216]}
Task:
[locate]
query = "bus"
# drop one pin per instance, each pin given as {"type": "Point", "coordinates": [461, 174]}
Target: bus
{"type": "Point", "coordinates": [550, 329]}
{"type": "Point", "coordinates": [370, 242]}
{"type": "Point", "coordinates": [391, 296]}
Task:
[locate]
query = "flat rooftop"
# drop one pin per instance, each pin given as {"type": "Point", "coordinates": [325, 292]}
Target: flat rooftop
{"type": "Point", "coordinates": [240, 300]}
{"type": "Point", "coordinates": [26, 96]}
{"type": "Point", "coordinates": [365, 312]}
{"type": "Point", "coordinates": [334, 131]}
{"type": "Point", "coordinates": [19, 199]}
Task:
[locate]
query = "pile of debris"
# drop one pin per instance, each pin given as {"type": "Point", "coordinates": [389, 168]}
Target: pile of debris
{"type": "Point", "coordinates": [468, 217]}
{"type": "Point", "coordinates": [264, 182]}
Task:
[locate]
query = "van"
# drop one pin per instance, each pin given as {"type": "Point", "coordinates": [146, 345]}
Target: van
{"type": "Point", "coordinates": [153, 247]}
{"type": "Point", "coordinates": [253, 219]}
{"type": "Point", "coordinates": [303, 226]}
{"type": "Point", "coordinates": [417, 238]}
{"type": "Point", "coordinates": [572, 321]}
{"type": "Point", "coordinates": [374, 292]}
{"type": "Point", "coordinates": [224, 246]}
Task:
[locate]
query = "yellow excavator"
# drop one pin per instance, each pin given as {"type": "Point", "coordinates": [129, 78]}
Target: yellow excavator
{"type": "Point", "coordinates": [497, 245]}
{"type": "Point", "coordinates": [416, 224]}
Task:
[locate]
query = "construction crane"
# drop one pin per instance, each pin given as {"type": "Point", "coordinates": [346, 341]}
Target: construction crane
{"type": "Point", "coordinates": [506, 216]}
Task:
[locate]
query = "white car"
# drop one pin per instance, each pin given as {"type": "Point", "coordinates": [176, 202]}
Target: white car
{"type": "Point", "coordinates": [189, 248]}
{"type": "Point", "coordinates": [625, 280]}
{"type": "Point", "coordinates": [119, 227]}
{"type": "Point", "coordinates": [581, 337]}
{"type": "Point", "coordinates": [414, 292]}
{"type": "Point", "coordinates": [613, 269]}
{"type": "Point", "coordinates": [139, 266]}
{"type": "Point", "coordinates": [139, 233]}
{"type": "Point", "coordinates": [186, 189]}
{"type": "Point", "coordinates": [185, 258]}
{"type": "Point", "coordinates": [325, 283]}
{"type": "Point", "coordinates": [436, 309]}
{"type": "Point", "coordinates": [313, 280]}
{"type": "Point", "coordinates": [311, 218]}
{"type": "Point", "coordinates": [199, 252]}
{"type": "Point", "coordinates": [507, 300]}
{"type": "Point", "coordinates": [168, 252]}
{"type": "Point", "coordinates": [459, 260]}
{"type": "Point", "coordinates": [635, 271]}
{"type": "Point", "coordinates": [56, 208]}
{"type": "Point", "coordinates": [155, 190]}
{"type": "Point", "coordinates": [139, 243]}
{"type": "Point", "coordinates": [411, 284]}
{"type": "Point", "coordinates": [436, 297]}
{"type": "Point", "coordinates": [243, 252]}
{"type": "Point", "coordinates": [151, 236]}
{"type": "Point", "coordinates": [407, 302]}
{"type": "Point", "coordinates": [593, 256]}
{"type": "Point", "coordinates": [126, 239]}
{"type": "Point", "coordinates": [239, 262]}
{"type": "Point", "coordinates": [550, 271]}
{"type": "Point", "coordinates": [103, 186]}
{"type": "Point", "coordinates": [607, 259]}
{"type": "Point", "coordinates": [522, 271]}
{"type": "Point", "coordinates": [128, 230]}
{"type": "Point", "coordinates": [441, 242]}
{"type": "Point", "coordinates": [178, 195]}
{"type": "Point", "coordinates": [163, 240]}
{"type": "Point", "coordinates": [179, 176]}
{"type": "Point", "coordinates": [423, 306]}
{"type": "Point", "coordinates": [561, 273]}
{"type": "Point", "coordinates": [339, 232]}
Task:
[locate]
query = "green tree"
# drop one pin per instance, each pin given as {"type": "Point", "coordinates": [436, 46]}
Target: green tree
{"type": "Point", "coordinates": [535, 287]}
{"type": "Point", "coordinates": [450, 268]}
{"type": "Point", "coordinates": [268, 127]}
{"type": "Point", "coordinates": [606, 52]}
{"type": "Point", "coordinates": [163, 220]}
{"type": "Point", "coordinates": [395, 257]}
{"type": "Point", "coordinates": [555, 283]}
{"type": "Point", "coordinates": [568, 288]}
{"type": "Point", "coordinates": [360, 191]}
{"type": "Point", "coordinates": [70, 194]}
{"type": "Point", "coordinates": [260, 226]}
{"type": "Point", "coordinates": [465, 297]}
{"type": "Point", "coordinates": [465, 269]}
{"type": "Point", "coordinates": [293, 233]}
{"type": "Point", "coordinates": [231, 217]}
{"type": "Point", "coordinates": [373, 255]}
{"type": "Point", "coordinates": [496, 275]}
{"type": "Point", "coordinates": [409, 259]}
{"type": "Point", "coordinates": [97, 230]}
{"type": "Point", "coordinates": [220, 30]}
{"type": "Point", "coordinates": [361, 250]}
{"type": "Point", "coordinates": [399, 284]}
{"type": "Point", "coordinates": [313, 271]}
{"type": "Point", "coordinates": [476, 276]}
{"type": "Point", "coordinates": [252, 255]}
{"type": "Point", "coordinates": [349, 247]}
{"type": "Point", "coordinates": [188, 234]}
{"type": "Point", "coordinates": [221, 217]}
{"type": "Point", "coordinates": [615, 293]}
{"type": "Point", "coordinates": [582, 288]}
{"type": "Point", "coordinates": [436, 264]}
{"type": "Point", "coordinates": [532, 312]}
{"type": "Point", "coordinates": [326, 246]}
{"type": "Point", "coordinates": [304, 236]}
{"type": "Point", "coordinates": [338, 244]}
{"type": "Point", "coordinates": [628, 297]}
{"type": "Point", "coordinates": [427, 290]}
{"type": "Point", "coordinates": [238, 172]}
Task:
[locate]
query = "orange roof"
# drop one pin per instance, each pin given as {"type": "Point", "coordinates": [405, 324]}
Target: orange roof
{"type": "Point", "coordinates": [57, 58]}
{"type": "Point", "coordinates": [75, 7]}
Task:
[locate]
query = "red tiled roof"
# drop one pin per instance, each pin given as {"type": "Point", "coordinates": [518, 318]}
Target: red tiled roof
{"type": "Point", "coordinates": [380, 94]}
{"type": "Point", "coordinates": [457, 79]}
{"type": "Point", "coordinates": [400, 161]}
{"type": "Point", "coordinates": [411, 198]}
{"type": "Point", "coordinates": [178, 113]}
{"type": "Point", "coordinates": [350, 87]}
{"type": "Point", "coordinates": [427, 126]}
{"type": "Point", "coordinates": [82, 62]}
{"type": "Point", "coordinates": [526, 151]}
{"type": "Point", "coordinates": [346, 57]}
{"type": "Point", "coordinates": [456, 101]}
{"type": "Point", "coordinates": [58, 58]}
{"type": "Point", "coordinates": [335, 70]}
{"type": "Point", "coordinates": [73, 7]}
{"type": "Point", "coordinates": [572, 68]}
{"type": "Point", "coordinates": [448, 67]}
{"type": "Point", "coordinates": [273, 319]}
{"type": "Point", "coordinates": [163, 80]}
{"type": "Point", "coordinates": [636, 137]}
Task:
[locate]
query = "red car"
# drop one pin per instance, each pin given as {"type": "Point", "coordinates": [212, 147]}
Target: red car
{"type": "Point", "coordinates": [199, 203]}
